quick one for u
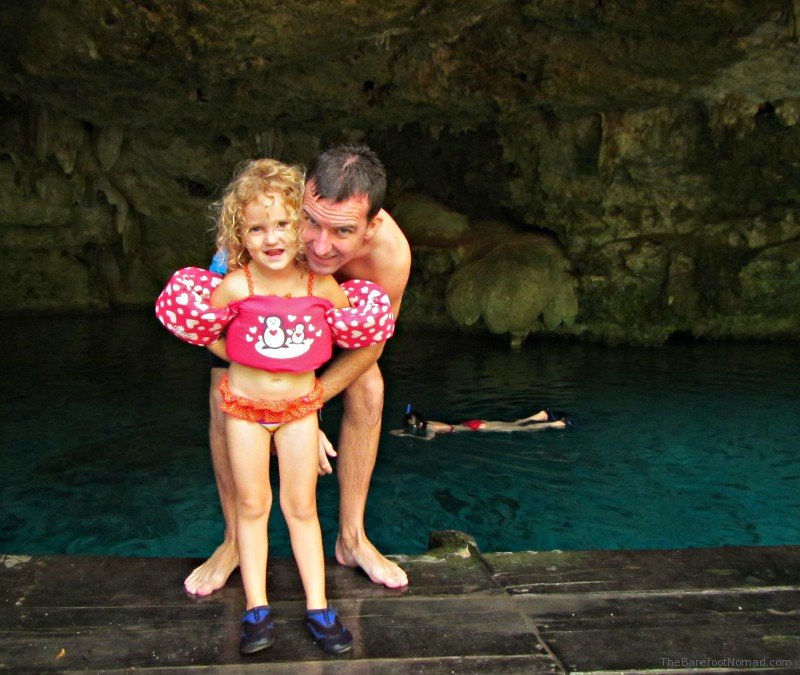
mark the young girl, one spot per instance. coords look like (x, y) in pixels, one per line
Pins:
(281, 320)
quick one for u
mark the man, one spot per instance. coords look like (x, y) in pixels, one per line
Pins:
(346, 233)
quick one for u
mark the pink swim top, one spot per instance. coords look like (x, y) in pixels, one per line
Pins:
(273, 333)
(286, 335)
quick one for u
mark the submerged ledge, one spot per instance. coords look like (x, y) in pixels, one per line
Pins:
(704, 610)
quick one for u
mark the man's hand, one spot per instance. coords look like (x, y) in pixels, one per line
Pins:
(325, 450)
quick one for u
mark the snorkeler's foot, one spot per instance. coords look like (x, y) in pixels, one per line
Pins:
(560, 424)
(541, 416)
(377, 567)
(214, 572)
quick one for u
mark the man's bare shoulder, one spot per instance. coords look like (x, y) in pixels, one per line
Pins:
(387, 259)
(392, 248)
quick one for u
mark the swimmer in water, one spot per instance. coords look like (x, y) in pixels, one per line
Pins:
(414, 424)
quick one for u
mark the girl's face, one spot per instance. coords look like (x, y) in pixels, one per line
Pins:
(267, 233)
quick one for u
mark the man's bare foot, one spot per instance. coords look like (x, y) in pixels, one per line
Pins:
(214, 572)
(378, 568)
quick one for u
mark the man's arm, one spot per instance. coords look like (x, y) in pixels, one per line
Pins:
(392, 274)
(388, 265)
(346, 369)
(340, 374)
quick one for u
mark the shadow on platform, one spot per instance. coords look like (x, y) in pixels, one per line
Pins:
(699, 610)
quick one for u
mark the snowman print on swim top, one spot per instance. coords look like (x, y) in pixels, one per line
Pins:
(273, 336)
(280, 334)
(280, 343)
(299, 334)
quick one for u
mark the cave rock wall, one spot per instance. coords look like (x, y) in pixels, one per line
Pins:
(613, 170)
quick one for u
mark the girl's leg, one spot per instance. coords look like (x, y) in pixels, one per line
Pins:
(248, 446)
(298, 460)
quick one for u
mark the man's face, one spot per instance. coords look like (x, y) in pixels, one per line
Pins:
(333, 233)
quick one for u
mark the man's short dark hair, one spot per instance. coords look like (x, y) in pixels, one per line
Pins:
(345, 171)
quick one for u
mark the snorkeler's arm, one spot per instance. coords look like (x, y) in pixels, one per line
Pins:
(429, 435)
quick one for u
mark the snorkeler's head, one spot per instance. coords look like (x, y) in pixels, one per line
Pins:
(414, 420)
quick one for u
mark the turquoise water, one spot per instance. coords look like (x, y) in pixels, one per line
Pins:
(104, 445)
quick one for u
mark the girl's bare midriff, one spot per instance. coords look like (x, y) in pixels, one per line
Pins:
(259, 384)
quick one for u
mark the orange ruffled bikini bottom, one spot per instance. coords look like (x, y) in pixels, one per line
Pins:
(270, 413)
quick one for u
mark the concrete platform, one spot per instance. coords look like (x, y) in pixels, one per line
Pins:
(698, 610)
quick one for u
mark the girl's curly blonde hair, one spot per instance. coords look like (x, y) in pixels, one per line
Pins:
(250, 179)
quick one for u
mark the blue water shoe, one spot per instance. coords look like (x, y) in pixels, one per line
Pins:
(328, 632)
(258, 630)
